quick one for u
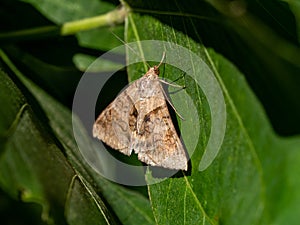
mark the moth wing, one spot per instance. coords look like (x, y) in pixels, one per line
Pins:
(112, 125)
(159, 144)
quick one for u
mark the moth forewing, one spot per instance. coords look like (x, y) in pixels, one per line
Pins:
(139, 119)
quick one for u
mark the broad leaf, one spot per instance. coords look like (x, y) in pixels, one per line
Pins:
(28, 152)
(247, 182)
(247, 47)
(42, 159)
(64, 11)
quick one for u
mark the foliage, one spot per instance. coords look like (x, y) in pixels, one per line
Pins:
(252, 49)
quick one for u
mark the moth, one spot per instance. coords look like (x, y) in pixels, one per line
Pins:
(139, 120)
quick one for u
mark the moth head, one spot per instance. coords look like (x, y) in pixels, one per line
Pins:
(153, 72)
(156, 69)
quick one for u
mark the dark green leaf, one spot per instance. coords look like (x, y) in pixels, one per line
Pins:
(41, 159)
(28, 153)
(65, 11)
(255, 177)
(247, 182)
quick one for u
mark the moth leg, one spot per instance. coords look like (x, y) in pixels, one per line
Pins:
(170, 103)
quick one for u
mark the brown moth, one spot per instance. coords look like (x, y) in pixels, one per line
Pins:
(139, 119)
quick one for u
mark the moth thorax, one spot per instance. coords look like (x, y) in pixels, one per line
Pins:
(156, 70)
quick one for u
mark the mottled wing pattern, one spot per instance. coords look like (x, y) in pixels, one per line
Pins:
(138, 119)
(159, 144)
(112, 125)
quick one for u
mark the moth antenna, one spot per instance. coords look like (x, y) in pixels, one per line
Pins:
(162, 59)
(133, 51)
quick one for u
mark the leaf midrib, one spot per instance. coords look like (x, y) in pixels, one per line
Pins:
(236, 114)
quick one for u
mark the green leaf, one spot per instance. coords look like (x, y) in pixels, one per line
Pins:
(295, 7)
(255, 177)
(64, 11)
(249, 48)
(79, 183)
(55, 67)
(29, 150)
(12, 211)
(84, 61)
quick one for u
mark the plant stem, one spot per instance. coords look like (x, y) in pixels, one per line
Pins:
(117, 16)
(29, 34)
